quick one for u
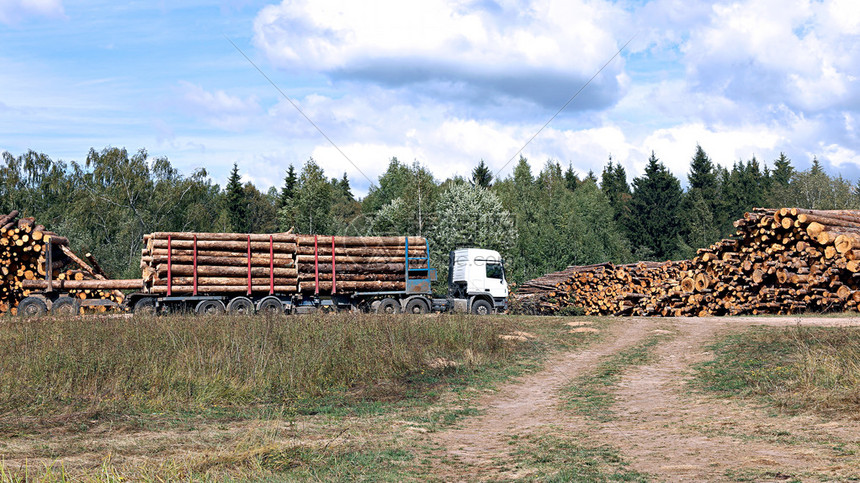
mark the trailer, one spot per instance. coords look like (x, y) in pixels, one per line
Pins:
(476, 279)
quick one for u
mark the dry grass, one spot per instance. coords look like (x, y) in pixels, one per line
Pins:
(341, 397)
(798, 368)
(54, 366)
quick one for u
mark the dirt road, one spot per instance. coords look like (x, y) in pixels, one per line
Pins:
(659, 427)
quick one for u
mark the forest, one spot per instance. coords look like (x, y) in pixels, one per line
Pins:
(540, 222)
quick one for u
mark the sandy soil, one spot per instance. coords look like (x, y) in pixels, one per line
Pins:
(660, 427)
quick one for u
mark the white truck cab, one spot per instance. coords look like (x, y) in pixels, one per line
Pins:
(476, 278)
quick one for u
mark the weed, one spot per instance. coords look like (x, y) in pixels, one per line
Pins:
(185, 363)
(565, 458)
(814, 369)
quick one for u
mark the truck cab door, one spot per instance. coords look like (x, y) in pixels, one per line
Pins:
(494, 281)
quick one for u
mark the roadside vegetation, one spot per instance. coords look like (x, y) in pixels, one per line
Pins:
(330, 396)
(809, 369)
(187, 363)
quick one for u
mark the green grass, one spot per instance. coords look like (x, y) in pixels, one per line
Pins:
(555, 458)
(195, 364)
(811, 369)
(591, 395)
(182, 373)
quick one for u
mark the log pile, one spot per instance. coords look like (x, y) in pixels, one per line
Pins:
(217, 263)
(780, 261)
(278, 263)
(24, 246)
(328, 264)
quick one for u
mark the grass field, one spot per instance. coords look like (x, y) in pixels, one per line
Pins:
(350, 397)
(813, 369)
(256, 380)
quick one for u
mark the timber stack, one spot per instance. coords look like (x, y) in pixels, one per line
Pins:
(780, 261)
(24, 248)
(185, 263)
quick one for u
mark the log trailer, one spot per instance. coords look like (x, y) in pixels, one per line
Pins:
(286, 273)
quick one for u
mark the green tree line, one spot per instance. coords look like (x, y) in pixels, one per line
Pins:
(540, 222)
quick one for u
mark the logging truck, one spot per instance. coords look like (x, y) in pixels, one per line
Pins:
(284, 273)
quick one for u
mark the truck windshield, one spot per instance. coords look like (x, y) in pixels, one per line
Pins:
(494, 270)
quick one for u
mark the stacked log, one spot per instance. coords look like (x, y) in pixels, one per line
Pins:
(329, 264)
(604, 288)
(24, 246)
(780, 261)
(218, 263)
(282, 263)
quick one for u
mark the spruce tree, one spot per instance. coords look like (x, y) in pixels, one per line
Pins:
(654, 223)
(344, 187)
(482, 176)
(289, 188)
(782, 171)
(571, 181)
(237, 205)
(701, 202)
(702, 175)
(613, 184)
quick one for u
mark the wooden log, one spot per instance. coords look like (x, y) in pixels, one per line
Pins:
(303, 259)
(224, 271)
(256, 247)
(361, 267)
(222, 289)
(218, 281)
(362, 241)
(135, 284)
(354, 286)
(256, 261)
(213, 253)
(361, 251)
(306, 277)
(287, 237)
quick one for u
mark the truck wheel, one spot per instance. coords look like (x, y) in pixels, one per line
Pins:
(270, 306)
(416, 306)
(241, 306)
(144, 306)
(66, 306)
(388, 306)
(481, 307)
(32, 307)
(210, 307)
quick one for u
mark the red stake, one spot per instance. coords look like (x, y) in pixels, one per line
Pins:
(333, 287)
(195, 264)
(169, 266)
(271, 266)
(316, 267)
(249, 265)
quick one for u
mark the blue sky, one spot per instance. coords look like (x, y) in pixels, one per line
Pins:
(443, 82)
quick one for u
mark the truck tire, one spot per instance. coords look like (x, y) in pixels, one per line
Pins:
(210, 307)
(388, 306)
(240, 306)
(32, 307)
(144, 306)
(481, 307)
(416, 306)
(270, 306)
(66, 306)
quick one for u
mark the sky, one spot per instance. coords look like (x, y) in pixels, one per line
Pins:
(446, 83)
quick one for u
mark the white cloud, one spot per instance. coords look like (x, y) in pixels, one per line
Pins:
(840, 156)
(219, 108)
(476, 49)
(800, 53)
(14, 11)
